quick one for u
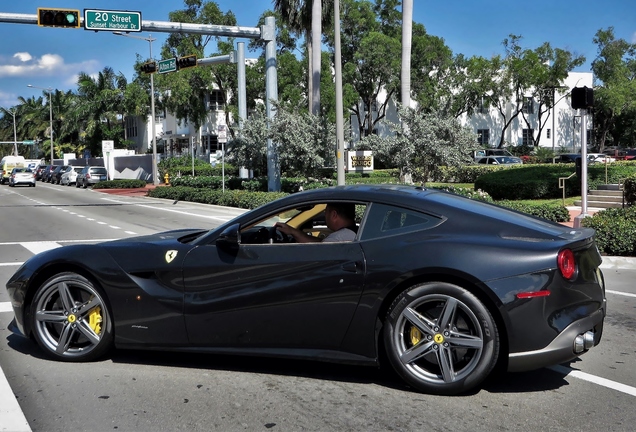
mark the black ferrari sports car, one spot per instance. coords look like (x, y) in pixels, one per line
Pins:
(442, 286)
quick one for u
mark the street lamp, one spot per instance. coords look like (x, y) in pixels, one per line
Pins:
(49, 90)
(150, 40)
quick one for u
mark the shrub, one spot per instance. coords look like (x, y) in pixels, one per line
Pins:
(542, 181)
(120, 184)
(630, 190)
(467, 192)
(615, 231)
(552, 212)
(229, 198)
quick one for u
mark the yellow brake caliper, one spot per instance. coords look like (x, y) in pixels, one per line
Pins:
(95, 319)
(416, 335)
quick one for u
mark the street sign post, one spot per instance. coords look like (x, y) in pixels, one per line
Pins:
(169, 65)
(108, 20)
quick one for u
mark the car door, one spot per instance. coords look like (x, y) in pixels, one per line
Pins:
(272, 295)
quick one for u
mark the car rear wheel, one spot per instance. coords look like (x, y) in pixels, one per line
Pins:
(440, 338)
(70, 319)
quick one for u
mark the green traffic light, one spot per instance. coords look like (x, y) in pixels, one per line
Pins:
(70, 18)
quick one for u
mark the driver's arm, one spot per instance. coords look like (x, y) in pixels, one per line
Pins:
(298, 235)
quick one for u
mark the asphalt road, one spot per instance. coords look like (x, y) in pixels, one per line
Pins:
(150, 391)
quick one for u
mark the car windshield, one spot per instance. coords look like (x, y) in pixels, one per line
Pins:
(98, 170)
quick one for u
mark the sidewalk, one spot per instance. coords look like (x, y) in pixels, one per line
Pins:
(130, 191)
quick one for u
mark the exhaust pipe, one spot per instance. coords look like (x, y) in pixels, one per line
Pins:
(583, 342)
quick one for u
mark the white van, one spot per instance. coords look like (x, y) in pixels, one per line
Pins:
(7, 164)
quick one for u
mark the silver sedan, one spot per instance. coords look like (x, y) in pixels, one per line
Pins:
(22, 176)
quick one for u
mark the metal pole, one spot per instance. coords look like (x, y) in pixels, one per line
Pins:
(580, 217)
(271, 93)
(339, 103)
(51, 122)
(153, 131)
(15, 135)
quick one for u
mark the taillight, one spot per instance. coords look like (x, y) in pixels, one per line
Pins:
(566, 263)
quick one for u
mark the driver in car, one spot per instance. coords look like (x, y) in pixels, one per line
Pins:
(340, 219)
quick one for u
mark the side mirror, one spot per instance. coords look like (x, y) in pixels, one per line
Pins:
(230, 238)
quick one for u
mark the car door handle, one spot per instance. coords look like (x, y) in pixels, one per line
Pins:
(351, 266)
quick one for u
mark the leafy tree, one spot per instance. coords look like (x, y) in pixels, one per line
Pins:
(615, 88)
(249, 150)
(428, 141)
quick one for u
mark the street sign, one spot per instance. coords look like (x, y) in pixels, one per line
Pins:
(221, 133)
(169, 65)
(109, 20)
(28, 142)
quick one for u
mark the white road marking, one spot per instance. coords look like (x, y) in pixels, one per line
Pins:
(11, 264)
(37, 247)
(6, 307)
(11, 416)
(594, 379)
(621, 293)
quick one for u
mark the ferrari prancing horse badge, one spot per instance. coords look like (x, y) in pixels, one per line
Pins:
(170, 255)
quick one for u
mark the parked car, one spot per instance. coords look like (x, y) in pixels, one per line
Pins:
(91, 175)
(500, 160)
(482, 153)
(46, 175)
(567, 158)
(22, 176)
(69, 176)
(599, 158)
(40, 171)
(416, 284)
(56, 175)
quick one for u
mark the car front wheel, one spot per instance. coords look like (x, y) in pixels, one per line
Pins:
(440, 338)
(70, 319)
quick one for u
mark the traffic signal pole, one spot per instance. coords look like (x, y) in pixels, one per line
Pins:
(266, 33)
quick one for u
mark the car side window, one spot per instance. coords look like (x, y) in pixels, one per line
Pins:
(384, 220)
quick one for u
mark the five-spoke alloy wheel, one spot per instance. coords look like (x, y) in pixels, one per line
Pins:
(440, 338)
(70, 318)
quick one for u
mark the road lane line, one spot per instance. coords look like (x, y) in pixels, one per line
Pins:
(37, 247)
(6, 307)
(11, 416)
(17, 264)
(623, 388)
(621, 293)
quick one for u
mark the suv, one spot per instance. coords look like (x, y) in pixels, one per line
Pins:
(91, 175)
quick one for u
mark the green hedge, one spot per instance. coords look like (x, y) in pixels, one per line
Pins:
(615, 231)
(229, 198)
(553, 212)
(630, 190)
(120, 184)
(542, 181)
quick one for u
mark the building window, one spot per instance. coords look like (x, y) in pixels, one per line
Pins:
(374, 106)
(528, 135)
(217, 101)
(131, 127)
(548, 133)
(483, 136)
(482, 108)
(528, 105)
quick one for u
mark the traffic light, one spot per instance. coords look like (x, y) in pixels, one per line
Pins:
(68, 18)
(186, 62)
(150, 67)
(582, 98)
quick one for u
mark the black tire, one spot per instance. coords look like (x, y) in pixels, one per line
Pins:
(70, 318)
(440, 338)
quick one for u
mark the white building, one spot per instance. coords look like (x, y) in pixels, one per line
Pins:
(488, 124)
(561, 129)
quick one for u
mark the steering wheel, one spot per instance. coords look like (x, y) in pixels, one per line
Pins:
(278, 236)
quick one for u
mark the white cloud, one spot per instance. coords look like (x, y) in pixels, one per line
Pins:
(23, 56)
(22, 64)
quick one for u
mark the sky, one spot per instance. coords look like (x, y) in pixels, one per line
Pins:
(53, 57)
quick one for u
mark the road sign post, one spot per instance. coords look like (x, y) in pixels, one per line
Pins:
(108, 20)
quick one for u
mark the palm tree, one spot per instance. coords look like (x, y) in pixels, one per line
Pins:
(101, 105)
(307, 17)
